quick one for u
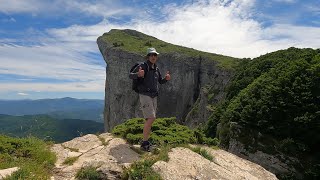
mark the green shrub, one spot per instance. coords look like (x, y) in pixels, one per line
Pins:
(88, 173)
(164, 130)
(31, 155)
(141, 170)
(272, 105)
(70, 160)
(148, 43)
(202, 152)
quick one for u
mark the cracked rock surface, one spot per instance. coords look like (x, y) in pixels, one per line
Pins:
(7, 172)
(106, 153)
(185, 164)
(111, 155)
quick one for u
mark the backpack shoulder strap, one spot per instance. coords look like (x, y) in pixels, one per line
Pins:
(133, 69)
(146, 66)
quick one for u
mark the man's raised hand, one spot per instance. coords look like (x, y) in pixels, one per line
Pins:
(141, 72)
(168, 77)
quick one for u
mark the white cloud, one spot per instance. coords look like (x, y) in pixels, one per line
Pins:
(224, 27)
(103, 8)
(23, 94)
(8, 20)
(313, 8)
(57, 56)
(16, 6)
(92, 86)
(56, 61)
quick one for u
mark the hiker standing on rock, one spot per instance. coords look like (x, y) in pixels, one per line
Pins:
(146, 77)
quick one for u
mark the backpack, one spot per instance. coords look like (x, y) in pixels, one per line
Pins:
(137, 82)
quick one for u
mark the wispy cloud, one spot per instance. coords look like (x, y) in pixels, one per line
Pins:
(53, 58)
(103, 8)
(313, 8)
(224, 27)
(49, 61)
(285, 1)
(92, 86)
(23, 94)
(6, 20)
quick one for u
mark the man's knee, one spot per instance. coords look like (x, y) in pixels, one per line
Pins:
(150, 120)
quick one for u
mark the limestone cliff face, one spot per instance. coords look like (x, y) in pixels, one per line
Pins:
(185, 96)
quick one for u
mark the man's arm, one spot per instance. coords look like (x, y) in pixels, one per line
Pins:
(137, 73)
(134, 74)
(161, 80)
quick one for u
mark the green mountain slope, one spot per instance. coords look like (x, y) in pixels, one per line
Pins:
(273, 105)
(136, 42)
(46, 127)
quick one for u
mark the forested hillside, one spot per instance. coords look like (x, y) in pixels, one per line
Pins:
(273, 105)
(46, 127)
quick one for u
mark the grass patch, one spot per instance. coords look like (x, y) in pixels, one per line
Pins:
(166, 134)
(88, 173)
(143, 169)
(71, 149)
(70, 160)
(204, 153)
(30, 154)
(103, 141)
(138, 43)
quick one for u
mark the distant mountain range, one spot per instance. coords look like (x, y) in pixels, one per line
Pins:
(46, 127)
(63, 108)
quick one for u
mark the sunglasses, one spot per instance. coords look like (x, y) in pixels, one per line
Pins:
(153, 54)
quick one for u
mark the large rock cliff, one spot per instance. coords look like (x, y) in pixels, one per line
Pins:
(197, 78)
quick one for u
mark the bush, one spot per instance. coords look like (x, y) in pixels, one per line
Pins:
(31, 155)
(273, 106)
(70, 160)
(164, 130)
(141, 170)
(88, 173)
(202, 152)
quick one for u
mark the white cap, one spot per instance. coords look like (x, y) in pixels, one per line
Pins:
(152, 50)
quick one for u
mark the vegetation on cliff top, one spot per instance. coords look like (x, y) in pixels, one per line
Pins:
(167, 134)
(31, 155)
(137, 42)
(273, 105)
(164, 131)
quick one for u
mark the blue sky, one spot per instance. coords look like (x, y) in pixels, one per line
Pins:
(48, 49)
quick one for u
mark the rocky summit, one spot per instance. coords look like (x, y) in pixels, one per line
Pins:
(111, 156)
(195, 76)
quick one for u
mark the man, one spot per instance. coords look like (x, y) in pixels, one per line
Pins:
(148, 90)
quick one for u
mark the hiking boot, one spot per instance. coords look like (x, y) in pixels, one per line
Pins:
(145, 146)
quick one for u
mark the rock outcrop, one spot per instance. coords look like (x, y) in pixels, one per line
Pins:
(186, 164)
(185, 96)
(7, 172)
(110, 156)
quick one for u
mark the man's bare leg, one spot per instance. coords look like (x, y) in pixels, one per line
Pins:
(147, 128)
